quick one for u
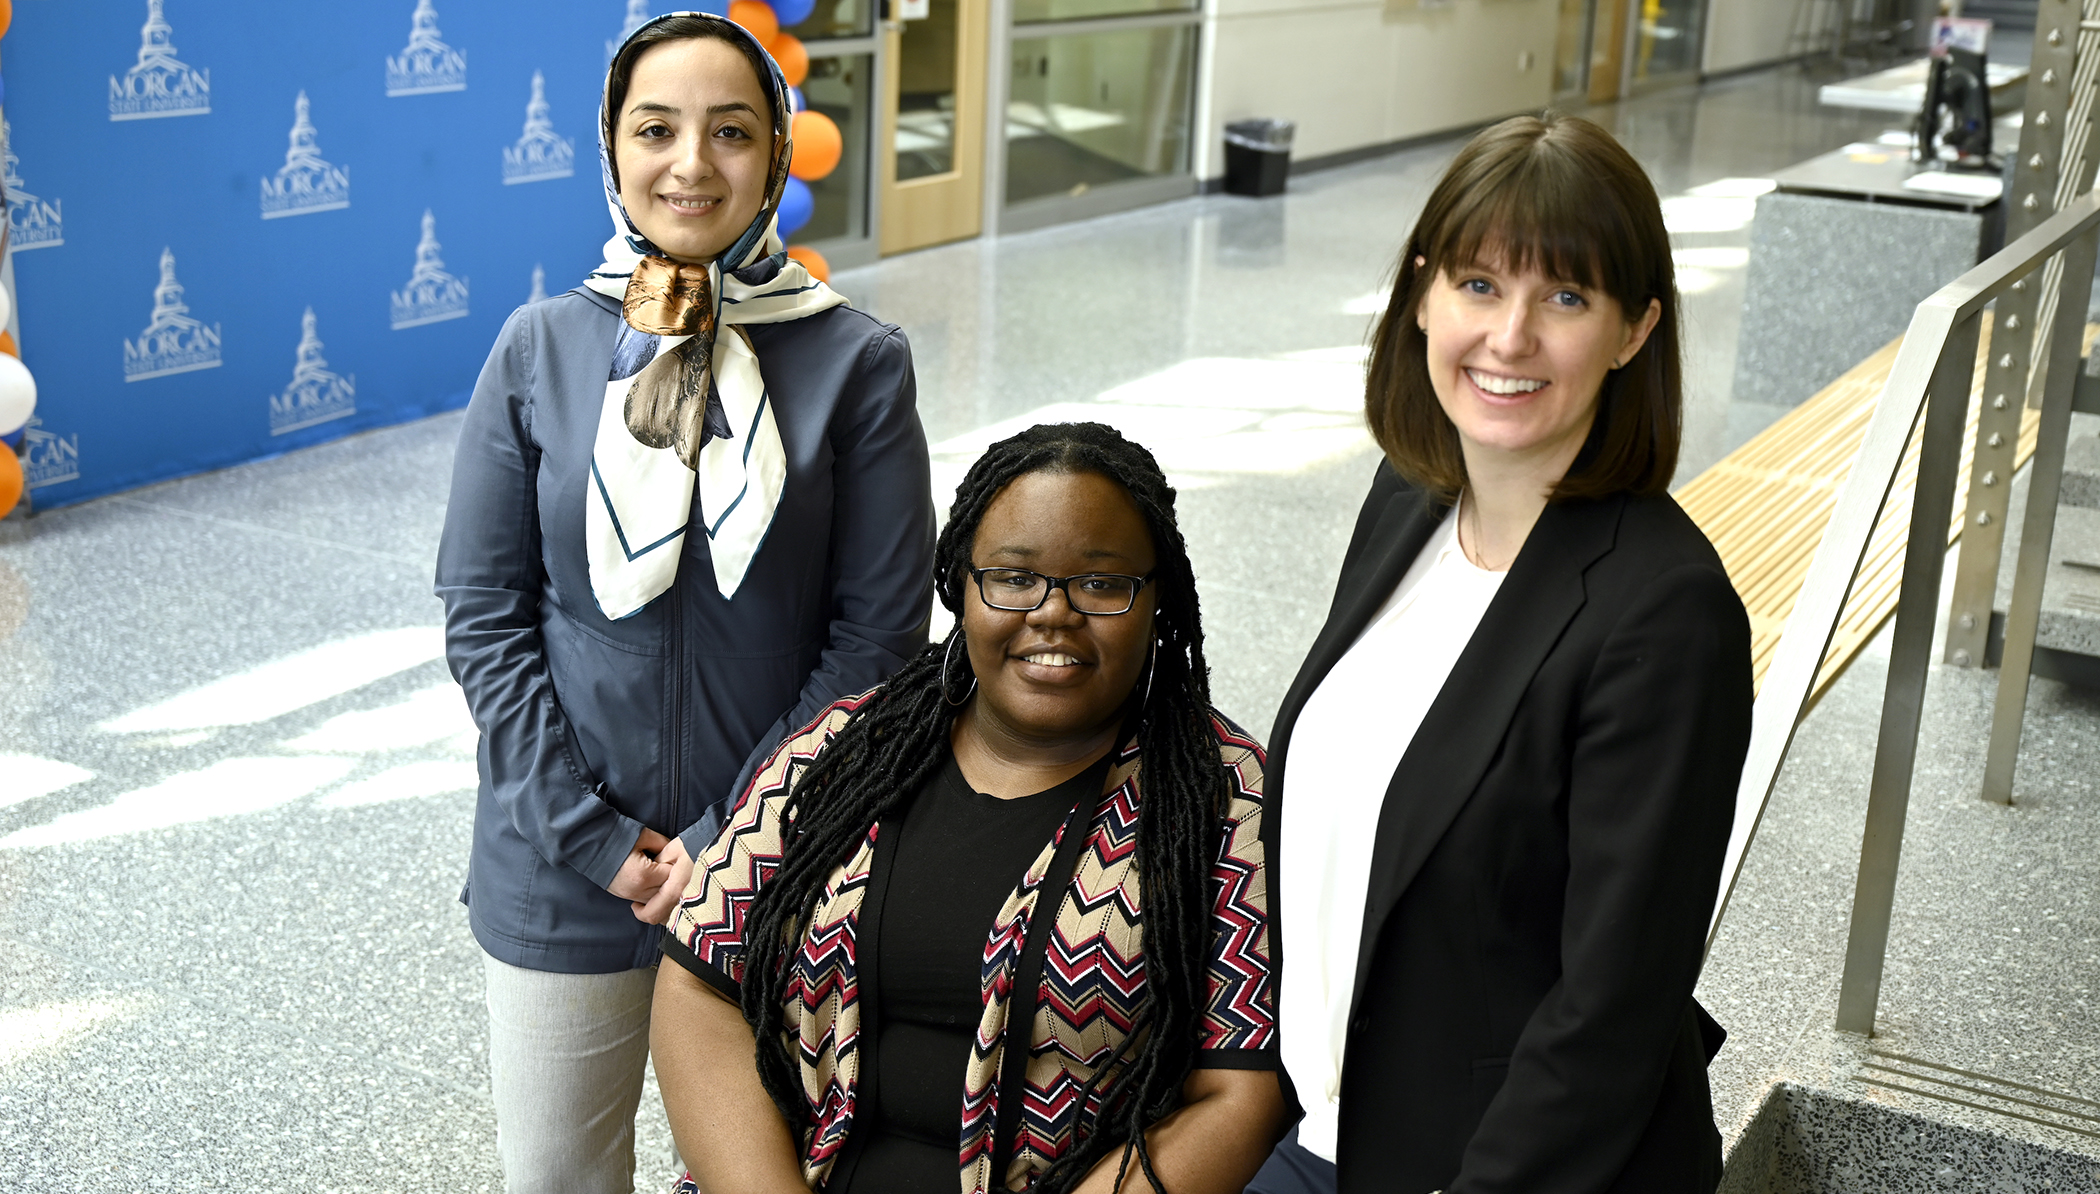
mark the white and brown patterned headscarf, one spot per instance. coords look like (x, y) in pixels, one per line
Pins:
(683, 403)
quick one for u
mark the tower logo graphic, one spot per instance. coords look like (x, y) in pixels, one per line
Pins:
(539, 284)
(159, 85)
(637, 16)
(427, 64)
(51, 458)
(173, 342)
(315, 395)
(31, 222)
(539, 154)
(431, 294)
(306, 184)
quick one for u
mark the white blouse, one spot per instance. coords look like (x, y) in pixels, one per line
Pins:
(1347, 743)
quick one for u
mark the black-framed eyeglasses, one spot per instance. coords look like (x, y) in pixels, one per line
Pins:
(1098, 593)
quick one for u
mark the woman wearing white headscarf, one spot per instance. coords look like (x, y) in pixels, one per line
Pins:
(690, 510)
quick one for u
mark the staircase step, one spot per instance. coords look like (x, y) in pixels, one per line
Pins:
(2071, 597)
(2081, 485)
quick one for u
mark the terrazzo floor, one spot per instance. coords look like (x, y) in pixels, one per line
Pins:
(231, 956)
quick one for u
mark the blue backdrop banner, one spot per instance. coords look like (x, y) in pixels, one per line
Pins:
(244, 226)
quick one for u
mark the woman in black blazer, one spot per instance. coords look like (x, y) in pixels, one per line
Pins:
(1506, 771)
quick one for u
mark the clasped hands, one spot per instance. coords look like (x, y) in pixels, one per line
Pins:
(654, 876)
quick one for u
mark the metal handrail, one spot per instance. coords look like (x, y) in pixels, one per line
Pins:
(1931, 379)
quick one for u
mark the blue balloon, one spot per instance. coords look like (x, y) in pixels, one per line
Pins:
(797, 205)
(795, 101)
(792, 12)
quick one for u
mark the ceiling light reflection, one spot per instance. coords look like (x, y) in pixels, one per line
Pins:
(1205, 420)
(1697, 281)
(1712, 257)
(1214, 383)
(1734, 188)
(1693, 213)
(1373, 303)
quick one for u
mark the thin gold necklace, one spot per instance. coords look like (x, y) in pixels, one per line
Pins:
(1472, 554)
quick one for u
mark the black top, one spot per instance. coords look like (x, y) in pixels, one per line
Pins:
(1544, 863)
(960, 854)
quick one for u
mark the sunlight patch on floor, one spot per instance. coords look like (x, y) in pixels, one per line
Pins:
(287, 685)
(225, 788)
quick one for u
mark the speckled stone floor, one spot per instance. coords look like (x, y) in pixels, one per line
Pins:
(237, 806)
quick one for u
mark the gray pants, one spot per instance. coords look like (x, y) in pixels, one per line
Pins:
(566, 1055)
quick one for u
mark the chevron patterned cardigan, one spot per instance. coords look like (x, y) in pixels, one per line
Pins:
(1093, 974)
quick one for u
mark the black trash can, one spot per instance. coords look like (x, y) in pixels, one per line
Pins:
(1257, 156)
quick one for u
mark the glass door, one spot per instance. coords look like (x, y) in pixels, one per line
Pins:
(932, 157)
(1571, 54)
(1668, 37)
(842, 42)
(1100, 107)
(1607, 69)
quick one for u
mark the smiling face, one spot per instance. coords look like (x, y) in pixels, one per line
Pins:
(1517, 360)
(693, 145)
(1055, 676)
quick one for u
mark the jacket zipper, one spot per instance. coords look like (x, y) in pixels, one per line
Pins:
(675, 765)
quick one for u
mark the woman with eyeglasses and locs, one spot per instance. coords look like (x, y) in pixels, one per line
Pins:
(1505, 775)
(1001, 923)
(690, 510)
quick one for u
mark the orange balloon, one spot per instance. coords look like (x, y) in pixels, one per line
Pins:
(817, 146)
(7, 16)
(755, 15)
(7, 342)
(788, 51)
(10, 479)
(812, 261)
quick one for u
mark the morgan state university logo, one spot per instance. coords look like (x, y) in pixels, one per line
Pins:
(637, 16)
(539, 154)
(50, 458)
(159, 85)
(315, 395)
(431, 294)
(172, 342)
(31, 222)
(427, 64)
(306, 183)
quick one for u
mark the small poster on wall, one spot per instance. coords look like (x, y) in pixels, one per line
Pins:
(1960, 33)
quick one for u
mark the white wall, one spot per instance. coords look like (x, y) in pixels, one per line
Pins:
(1358, 73)
(1746, 32)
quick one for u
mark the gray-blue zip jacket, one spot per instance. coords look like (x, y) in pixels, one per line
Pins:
(591, 728)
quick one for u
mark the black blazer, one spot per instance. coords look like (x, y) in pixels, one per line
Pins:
(1546, 859)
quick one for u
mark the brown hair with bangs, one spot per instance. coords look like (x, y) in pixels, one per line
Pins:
(1556, 194)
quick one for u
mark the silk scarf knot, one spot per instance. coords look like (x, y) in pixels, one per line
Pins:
(672, 401)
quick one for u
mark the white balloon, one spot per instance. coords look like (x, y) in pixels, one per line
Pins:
(17, 394)
(7, 307)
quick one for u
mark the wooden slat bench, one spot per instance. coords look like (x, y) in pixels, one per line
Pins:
(1766, 504)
